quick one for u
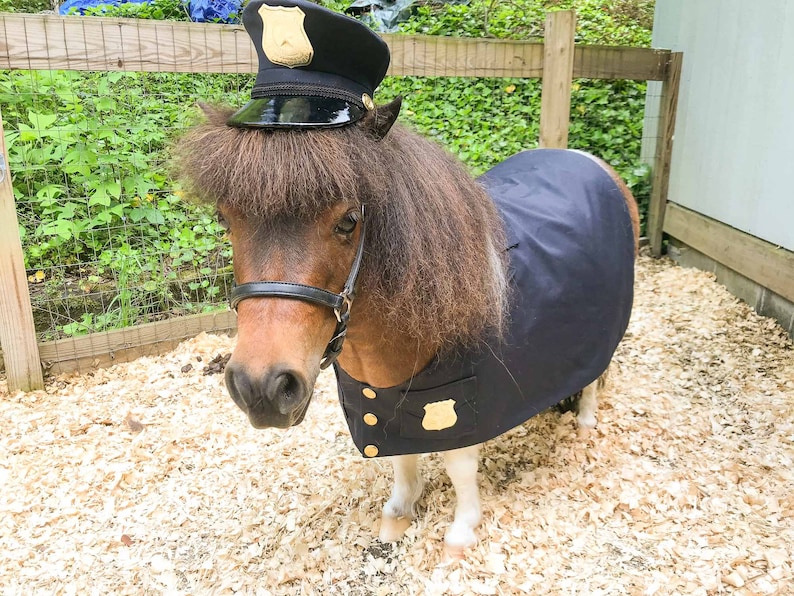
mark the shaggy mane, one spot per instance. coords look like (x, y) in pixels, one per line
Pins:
(434, 266)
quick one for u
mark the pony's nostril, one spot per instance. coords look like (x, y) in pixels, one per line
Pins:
(285, 391)
(286, 384)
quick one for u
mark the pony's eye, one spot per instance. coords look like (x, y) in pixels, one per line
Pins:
(347, 224)
(222, 222)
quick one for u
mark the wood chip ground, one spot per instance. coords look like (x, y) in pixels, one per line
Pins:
(144, 478)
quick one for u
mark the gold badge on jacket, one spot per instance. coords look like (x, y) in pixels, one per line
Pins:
(440, 415)
(284, 39)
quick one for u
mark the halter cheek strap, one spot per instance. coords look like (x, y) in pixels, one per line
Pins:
(339, 303)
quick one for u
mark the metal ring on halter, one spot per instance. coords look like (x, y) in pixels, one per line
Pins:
(340, 303)
(340, 312)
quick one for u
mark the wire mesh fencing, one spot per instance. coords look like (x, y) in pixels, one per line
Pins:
(109, 240)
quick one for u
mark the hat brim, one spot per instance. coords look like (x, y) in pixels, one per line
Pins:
(296, 112)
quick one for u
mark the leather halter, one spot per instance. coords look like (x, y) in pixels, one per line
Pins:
(339, 303)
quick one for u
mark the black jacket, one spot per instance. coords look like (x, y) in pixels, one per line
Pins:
(571, 249)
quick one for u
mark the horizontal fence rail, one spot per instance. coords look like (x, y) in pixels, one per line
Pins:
(756, 259)
(49, 42)
(121, 345)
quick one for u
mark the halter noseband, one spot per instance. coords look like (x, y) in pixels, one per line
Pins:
(339, 303)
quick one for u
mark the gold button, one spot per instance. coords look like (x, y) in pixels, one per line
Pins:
(367, 101)
(370, 419)
(369, 393)
(370, 451)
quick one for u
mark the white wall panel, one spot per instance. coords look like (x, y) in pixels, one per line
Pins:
(733, 154)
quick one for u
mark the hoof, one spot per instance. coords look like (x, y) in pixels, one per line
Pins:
(393, 528)
(452, 554)
(459, 537)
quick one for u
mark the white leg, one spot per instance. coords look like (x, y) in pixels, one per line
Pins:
(399, 509)
(588, 404)
(462, 466)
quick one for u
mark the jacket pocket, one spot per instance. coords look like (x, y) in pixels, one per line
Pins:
(445, 412)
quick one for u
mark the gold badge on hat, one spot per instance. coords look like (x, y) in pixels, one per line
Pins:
(440, 415)
(284, 39)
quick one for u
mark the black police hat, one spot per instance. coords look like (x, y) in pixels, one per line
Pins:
(317, 68)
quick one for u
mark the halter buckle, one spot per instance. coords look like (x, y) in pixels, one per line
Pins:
(343, 312)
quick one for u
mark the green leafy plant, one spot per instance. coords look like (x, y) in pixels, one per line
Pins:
(624, 22)
(95, 200)
(172, 10)
(25, 5)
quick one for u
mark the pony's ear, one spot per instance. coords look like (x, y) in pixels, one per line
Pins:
(379, 121)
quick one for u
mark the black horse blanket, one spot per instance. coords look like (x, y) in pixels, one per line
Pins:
(571, 267)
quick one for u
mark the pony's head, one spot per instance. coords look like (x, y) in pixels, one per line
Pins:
(431, 275)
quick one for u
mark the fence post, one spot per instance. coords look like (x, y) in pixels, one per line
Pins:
(17, 332)
(664, 153)
(555, 99)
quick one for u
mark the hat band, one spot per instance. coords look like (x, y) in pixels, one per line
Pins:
(305, 89)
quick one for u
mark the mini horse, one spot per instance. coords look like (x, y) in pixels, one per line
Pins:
(464, 307)
(434, 281)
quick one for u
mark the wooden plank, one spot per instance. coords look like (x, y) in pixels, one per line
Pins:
(420, 55)
(17, 331)
(122, 345)
(50, 42)
(610, 62)
(660, 183)
(86, 363)
(766, 264)
(555, 100)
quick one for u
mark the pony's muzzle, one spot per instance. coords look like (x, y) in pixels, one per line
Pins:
(277, 398)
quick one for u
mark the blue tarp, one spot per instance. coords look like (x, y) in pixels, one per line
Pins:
(200, 11)
(203, 11)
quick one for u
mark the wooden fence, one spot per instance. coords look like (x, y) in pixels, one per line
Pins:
(48, 42)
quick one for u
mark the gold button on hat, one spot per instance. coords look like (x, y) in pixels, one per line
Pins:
(370, 451)
(370, 419)
(369, 393)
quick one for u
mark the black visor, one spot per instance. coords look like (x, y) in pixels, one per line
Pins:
(291, 111)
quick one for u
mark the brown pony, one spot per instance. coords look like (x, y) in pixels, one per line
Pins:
(432, 280)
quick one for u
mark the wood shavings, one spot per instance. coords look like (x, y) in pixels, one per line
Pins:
(146, 478)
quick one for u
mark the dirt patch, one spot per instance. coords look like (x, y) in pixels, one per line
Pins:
(145, 478)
